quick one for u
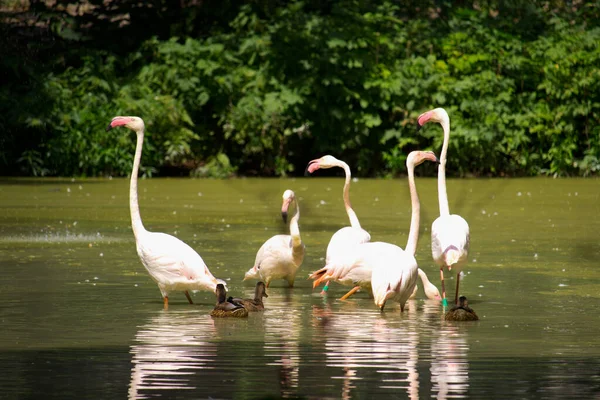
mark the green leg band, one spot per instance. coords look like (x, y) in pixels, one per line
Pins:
(325, 288)
(445, 303)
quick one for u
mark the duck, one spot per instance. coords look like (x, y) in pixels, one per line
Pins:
(462, 311)
(226, 309)
(255, 304)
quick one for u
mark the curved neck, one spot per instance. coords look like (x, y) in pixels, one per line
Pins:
(413, 234)
(294, 228)
(351, 214)
(423, 277)
(134, 208)
(297, 246)
(442, 195)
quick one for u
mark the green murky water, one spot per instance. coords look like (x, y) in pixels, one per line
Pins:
(82, 319)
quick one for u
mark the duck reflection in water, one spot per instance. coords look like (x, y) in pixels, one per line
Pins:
(462, 312)
(227, 309)
(255, 304)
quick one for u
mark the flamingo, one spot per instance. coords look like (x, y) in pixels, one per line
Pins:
(172, 264)
(449, 232)
(431, 291)
(281, 255)
(395, 270)
(344, 239)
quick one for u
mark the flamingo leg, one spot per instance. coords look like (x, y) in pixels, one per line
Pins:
(187, 294)
(457, 283)
(443, 285)
(444, 301)
(350, 293)
(325, 289)
(165, 303)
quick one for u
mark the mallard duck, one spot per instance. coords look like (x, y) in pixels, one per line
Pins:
(255, 304)
(462, 311)
(225, 309)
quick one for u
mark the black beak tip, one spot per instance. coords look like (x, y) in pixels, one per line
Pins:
(284, 217)
(109, 127)
(418, 127)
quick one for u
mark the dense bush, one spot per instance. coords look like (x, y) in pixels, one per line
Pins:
(284, 82)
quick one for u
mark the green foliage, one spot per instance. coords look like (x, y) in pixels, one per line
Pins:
(272, 84)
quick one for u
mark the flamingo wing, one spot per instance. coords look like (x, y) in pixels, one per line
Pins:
(170, 260)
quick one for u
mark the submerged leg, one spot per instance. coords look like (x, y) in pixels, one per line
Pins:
(444, 301)
(457, 283)
(325, 289)
(187, 294)
(166, 303)
(350, 293)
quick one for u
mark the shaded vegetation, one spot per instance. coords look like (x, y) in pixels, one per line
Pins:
(261, 87)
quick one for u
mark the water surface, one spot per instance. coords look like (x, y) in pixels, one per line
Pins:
(82, 319)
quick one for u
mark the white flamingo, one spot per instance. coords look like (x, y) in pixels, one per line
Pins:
(172, 264)
(395, 270)
(346, 238)
(431, 291)
(449, 232)
(281, 255)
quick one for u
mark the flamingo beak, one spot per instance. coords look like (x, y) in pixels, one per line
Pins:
(284, 209)
(109, 127)
(423, 119)
(312, 166)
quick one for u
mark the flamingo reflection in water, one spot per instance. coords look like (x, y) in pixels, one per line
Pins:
(167, 350)
(450, 362)
(282, 327)
(388, 346)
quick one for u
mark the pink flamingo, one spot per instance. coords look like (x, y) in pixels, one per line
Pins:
(449, 232)
(172, 264)
(344, 239)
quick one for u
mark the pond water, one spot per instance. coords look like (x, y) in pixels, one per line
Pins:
(81, 318)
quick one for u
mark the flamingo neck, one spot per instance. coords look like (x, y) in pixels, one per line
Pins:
(423, 277)
(351, 214)
(134, 208)
(297, 245)
(413, 235)
(442, 194)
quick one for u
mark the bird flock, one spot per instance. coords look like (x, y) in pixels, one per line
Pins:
(385, 270)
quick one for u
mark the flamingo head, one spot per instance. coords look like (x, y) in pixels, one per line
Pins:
(436, 115)
(451, 257)
(381, 294)
(432, 292)
(288, 196)
(417, 157)
(134, 123)
(252, 273)
(323, 162)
